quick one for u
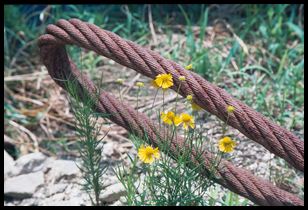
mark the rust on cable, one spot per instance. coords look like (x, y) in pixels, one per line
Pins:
(252, 124)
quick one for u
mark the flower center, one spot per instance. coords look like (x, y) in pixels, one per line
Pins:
(165, 78)
(149, 154)
(227, 144)
(186, 119)
(170, 116)
(165, 81)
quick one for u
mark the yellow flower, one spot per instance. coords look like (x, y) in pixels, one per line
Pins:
(170, 118)
(148, 154)
(189, 67)
(182, 78)
(187, 120)
(226, 144)
(195, 107)
(189, 97)
(230, 109)
(153, 83)
(120, 81)
(139, 84)
(164, 80)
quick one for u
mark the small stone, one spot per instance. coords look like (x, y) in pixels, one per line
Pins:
(123, 200)
(29, 163)
(111, 62)
(117, 203)
(28, 202)
(56, 188)
(107, 181)
(127, 145)
(71, 202)
(113, 193)
(62, 169)
(267, 157)
(9, 204)
(74, 190)
(139, 184)
(52, 200)
(23, 186)
(65, 199)
(108, 149)
(8, 165)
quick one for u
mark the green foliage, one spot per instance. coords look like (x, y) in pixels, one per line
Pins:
(167, 182)
(90, 145)
(175, 179)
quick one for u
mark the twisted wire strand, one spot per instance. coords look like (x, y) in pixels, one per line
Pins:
(61, 69)
(252, 124)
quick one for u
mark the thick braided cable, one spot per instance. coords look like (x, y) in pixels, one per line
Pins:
(252, 124)
(240, 181)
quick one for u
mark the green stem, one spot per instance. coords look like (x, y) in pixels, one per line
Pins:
(154, 101)
(138, 96)
(120, 95)
(164, 105)
(224, 127)
(163, 100)
(177, 94)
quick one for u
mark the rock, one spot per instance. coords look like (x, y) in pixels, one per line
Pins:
(56, 188)
(69, 194)
(113, 193)
(8, 165)
(62, 169)
(123, 200)
(58, 200)
(52, 200)
(8, 204)
(28, 202)
(29, 163)
(108, 149)
(71, 202)
(107, 181)
(117, 203)
(139, 184)
(23, 186)
(75, 190)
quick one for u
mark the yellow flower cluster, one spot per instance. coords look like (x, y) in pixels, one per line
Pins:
(148, 154)
(171, 118)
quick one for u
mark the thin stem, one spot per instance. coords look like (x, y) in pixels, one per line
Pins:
(224, 127)
(164, 105)
(120, 95)
(138, 96)
(163, 100)
(154, 101)
(177, 94)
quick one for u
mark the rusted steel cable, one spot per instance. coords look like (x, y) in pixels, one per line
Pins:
(54, 56)
(252, 124)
